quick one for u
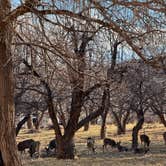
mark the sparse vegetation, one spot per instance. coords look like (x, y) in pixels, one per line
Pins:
(155, 157)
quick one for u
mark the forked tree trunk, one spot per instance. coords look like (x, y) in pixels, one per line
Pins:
(118, 121)
(121, 122)
(121, 129)
(137, 127)
(8, 147)
(66, 148)
(65, 142)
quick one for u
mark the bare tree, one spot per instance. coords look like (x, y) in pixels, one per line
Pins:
(120, 107)
(139, 93)
(8, 148)
(136, 31)
(157, 98)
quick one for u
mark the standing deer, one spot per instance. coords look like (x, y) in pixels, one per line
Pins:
(91, 144)
(26, 144)
(144, 138)
(52, 145)
(110, 142)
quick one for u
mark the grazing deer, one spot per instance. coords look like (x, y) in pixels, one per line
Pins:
(164, 137)
(110, 142)
(52, 145)
(34, 148)
(121, 148)
(144, 138)
(91, 144)
(26, 144)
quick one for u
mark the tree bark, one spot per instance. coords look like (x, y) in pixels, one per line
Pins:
(29, 123)
(21, 123)
(86, 126)
(121, 122)
(162, 119)
(125, 121)
(137, 127)
(110, 73)
(8, 147)
(121, 129)
(103, 125)
(65, 148)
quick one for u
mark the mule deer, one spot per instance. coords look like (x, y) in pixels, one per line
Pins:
(26, 144)
(52, 145)
(144, 138)
(110, 142)
(34, 148)
(91, 144)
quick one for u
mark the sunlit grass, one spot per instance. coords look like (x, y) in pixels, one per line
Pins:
(156, 156)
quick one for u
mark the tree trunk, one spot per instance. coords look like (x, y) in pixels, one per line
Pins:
(40, 119)
(121, 129)
(103, 126)
(110, 73)
(137, 127)
(8, 148)
(162, 119)
(125, 121)
(86, 127)
(36, 123)
(121, 123)
(65, 148)
(121, 126)
(29, 123)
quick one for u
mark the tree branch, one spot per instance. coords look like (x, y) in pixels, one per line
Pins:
(95, 114)
(21, 123)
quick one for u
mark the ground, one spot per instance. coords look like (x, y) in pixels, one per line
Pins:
(156, 156)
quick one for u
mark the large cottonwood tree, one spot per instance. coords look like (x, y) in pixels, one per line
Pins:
(7, 127)
(8, 148)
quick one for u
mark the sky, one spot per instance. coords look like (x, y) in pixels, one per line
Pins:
(15, 3)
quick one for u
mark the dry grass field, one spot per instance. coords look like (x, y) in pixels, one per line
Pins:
(156, 156)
